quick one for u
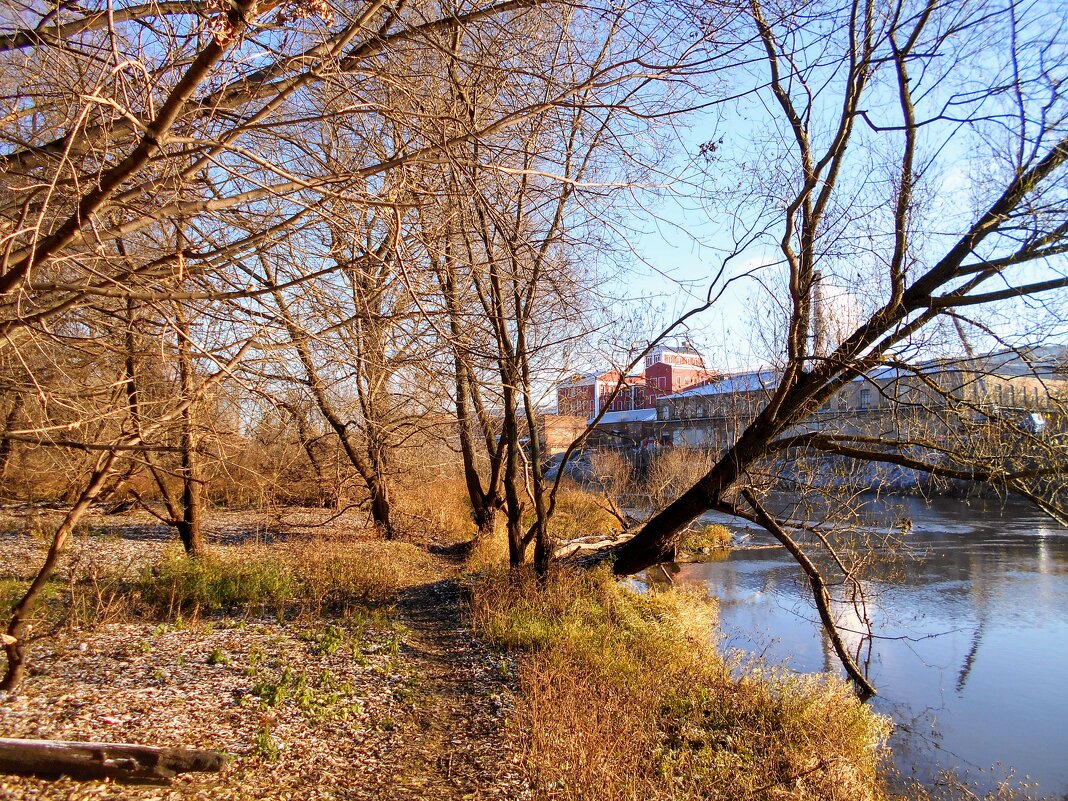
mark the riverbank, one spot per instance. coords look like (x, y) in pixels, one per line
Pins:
(336, 665)
(622, 695)
(971, 619)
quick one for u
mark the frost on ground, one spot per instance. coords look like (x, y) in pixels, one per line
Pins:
(361, 706)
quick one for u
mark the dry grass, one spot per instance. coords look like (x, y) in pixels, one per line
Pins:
(109, 579)
(711, 537)
(488, 552)
(623, 696)
(314, 576)
(580, 513)
(439, 508)
(952, 786)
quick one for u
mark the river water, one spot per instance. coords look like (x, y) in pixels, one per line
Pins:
(972, 636)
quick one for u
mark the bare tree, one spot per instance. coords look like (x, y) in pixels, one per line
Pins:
(865, 136)
(515, 214)
(125, 119)
(356, 336)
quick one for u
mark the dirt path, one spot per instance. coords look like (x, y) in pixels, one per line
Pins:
(455, 744)
(308, 709)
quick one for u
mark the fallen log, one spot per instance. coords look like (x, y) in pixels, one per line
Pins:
(580, 546)
(50, 759)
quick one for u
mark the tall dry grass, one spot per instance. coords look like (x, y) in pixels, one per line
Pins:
(581, 513)
(438, 507)
(578, 513)
(673, 471)
(623, 697)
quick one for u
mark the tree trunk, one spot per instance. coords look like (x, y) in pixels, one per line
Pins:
(485, 516)
(18, 628)
(380, 508)
(657, 539)
(517, 551)
(7, 445)
(485, 503)
(189, 524)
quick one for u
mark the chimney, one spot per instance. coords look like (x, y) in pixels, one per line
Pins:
(818, 316)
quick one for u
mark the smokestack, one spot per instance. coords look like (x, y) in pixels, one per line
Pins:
(818, 316)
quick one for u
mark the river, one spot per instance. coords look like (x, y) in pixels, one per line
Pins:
(972, 636)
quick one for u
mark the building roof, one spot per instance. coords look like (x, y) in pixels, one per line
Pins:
(588, 379)
(1040, 361)
(684, 348)
(673, 366)
(753, 381)
(632, 416)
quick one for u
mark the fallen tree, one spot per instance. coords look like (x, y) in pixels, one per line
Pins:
(51, 759)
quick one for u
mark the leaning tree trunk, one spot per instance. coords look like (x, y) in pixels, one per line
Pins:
(656, 541)
(18, 628)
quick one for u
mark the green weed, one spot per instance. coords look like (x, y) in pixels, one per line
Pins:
(327, 641)
(321, 698)
(264, 746)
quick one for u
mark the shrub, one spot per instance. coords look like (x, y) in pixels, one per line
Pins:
(672, 472)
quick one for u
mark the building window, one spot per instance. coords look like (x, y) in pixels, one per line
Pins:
(700, 410)
(864, 400)
(665, 413)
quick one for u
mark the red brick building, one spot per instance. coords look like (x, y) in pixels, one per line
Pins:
(668, 369)
(673, 369)
(585, 395)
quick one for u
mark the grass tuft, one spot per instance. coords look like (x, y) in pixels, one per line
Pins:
(215, 583)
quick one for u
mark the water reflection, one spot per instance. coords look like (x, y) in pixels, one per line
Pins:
(972, 633)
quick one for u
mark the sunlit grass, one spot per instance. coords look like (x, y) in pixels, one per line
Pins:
(624, 696)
